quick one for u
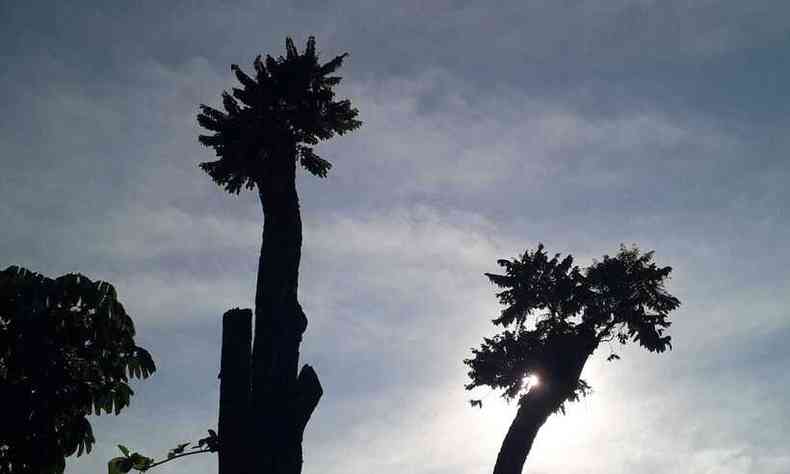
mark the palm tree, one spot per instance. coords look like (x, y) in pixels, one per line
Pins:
(560, 315)
(271, 123)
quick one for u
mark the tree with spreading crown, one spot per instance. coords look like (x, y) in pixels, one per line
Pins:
(558, 317)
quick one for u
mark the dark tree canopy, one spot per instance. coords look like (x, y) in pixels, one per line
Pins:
(555, 310)
(556, 316)
(280, 113)
(66, 350)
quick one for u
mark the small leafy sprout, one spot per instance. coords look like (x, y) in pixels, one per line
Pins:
(129, 461)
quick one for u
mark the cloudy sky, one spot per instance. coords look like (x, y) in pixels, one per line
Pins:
(489, 127)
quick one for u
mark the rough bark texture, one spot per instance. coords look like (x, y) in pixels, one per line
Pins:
(278, 392)
(234, 391)
(539, 403)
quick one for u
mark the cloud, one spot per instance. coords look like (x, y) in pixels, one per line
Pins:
(581, 125)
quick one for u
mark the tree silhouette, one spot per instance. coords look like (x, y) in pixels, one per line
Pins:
(559, 315)
(66, 350)
(269, 124)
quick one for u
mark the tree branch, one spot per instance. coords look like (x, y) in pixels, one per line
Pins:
(159, 463)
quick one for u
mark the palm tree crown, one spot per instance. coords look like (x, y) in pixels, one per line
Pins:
(280, 114)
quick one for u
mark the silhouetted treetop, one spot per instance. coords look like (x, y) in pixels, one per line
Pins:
(279, 113)
(557, 312)
(66, 350)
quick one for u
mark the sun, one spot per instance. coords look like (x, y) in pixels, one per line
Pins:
(531, 381)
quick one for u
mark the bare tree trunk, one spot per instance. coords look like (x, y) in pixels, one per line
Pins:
(234, 392)
(532, 414)
(541, 401)
(282, 400)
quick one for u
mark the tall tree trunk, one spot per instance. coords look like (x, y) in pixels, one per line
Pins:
(533, 411)
(541, 401)
(282, 402)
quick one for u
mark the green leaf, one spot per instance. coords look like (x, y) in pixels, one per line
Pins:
(140, 462)
(119, 466)
(124, 450)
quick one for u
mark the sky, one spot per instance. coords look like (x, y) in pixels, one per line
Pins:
(488, 127)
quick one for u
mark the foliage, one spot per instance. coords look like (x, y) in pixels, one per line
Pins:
(66, 350)
(128, 461)
(557, 315)
(136, 461)
(287, 106)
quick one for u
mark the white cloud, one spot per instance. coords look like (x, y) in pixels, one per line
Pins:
(444, 178)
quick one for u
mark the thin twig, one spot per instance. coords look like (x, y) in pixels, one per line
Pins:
(207, 450)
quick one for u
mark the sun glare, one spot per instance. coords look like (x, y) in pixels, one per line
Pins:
(530, 381)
